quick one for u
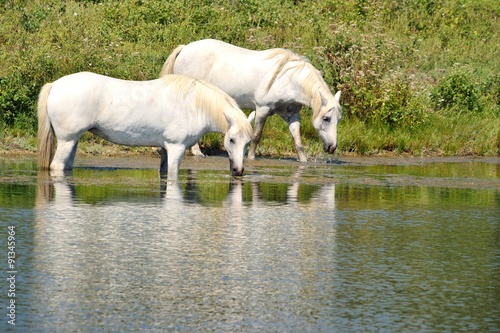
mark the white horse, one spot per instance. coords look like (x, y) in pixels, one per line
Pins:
(274, 81)
(172, 112)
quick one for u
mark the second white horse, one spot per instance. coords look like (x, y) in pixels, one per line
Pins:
(274, 81)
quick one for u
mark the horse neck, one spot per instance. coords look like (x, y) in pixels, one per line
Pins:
(205, 123)
(217, 127)
(306, 86)
(213, 122)
(211, 105)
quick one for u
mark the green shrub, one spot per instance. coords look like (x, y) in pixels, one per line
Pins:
(16, 98)
(491, 91)
(457, 91)
(400, 107)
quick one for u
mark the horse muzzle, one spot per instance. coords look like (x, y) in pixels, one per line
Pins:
(329, 148)
(237, 171)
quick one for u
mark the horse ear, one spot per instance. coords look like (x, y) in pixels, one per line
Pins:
(337, 96)
(230, 119)
(324, 101)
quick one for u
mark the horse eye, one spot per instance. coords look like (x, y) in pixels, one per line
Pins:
(231, 140)
(327, 119)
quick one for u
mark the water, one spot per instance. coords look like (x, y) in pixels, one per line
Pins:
(339, 247)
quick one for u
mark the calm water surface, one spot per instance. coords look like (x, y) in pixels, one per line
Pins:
(339, 247)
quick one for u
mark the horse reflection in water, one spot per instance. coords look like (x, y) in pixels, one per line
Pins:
(56, 188)
(167, 249)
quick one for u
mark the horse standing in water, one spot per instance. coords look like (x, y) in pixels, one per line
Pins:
(172, 112)
(274, 81)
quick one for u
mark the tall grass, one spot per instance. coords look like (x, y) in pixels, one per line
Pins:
(417, 76)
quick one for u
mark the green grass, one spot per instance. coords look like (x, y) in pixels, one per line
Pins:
(442, 135)
(417, 77)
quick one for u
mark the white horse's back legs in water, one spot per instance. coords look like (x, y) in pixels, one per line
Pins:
(274, 81)
(172, 112)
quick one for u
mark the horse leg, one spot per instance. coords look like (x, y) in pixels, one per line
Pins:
(261, 115)
(65, 154)
(293, 121)
(196, 151)
(175, 153)
(163, 161)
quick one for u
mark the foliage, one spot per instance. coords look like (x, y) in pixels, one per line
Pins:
(400, 65)
(457, 90)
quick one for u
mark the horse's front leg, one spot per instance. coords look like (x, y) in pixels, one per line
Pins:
(261, 115)
(293, 120)
(175, 153)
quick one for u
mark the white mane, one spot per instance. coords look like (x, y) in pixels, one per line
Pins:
(210, 100)
(313, 82)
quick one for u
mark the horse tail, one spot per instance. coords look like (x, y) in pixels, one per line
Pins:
(45, 130)
(168, 66)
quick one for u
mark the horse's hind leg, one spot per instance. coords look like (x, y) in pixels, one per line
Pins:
(261, 115)
(65, 155)
(196, 151)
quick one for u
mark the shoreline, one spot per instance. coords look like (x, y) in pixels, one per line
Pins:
(148, 157)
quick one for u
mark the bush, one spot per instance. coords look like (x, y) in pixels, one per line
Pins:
(16, 98)
(490, 89)
(375, 87)
(400, 107)
(457, 91)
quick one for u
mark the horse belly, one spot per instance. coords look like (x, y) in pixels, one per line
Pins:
(131, 114)
(129, 136)
(136, 126)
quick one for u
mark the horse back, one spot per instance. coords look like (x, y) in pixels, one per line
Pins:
(94, 93)
(88, 101)
(240, 72)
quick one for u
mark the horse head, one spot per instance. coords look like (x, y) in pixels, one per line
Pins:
(326, 121)
(236, 140)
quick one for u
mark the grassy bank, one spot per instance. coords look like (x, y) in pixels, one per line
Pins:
(417, 77)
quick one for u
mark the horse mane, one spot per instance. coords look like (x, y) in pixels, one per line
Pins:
(210, 101)
(311, 84)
